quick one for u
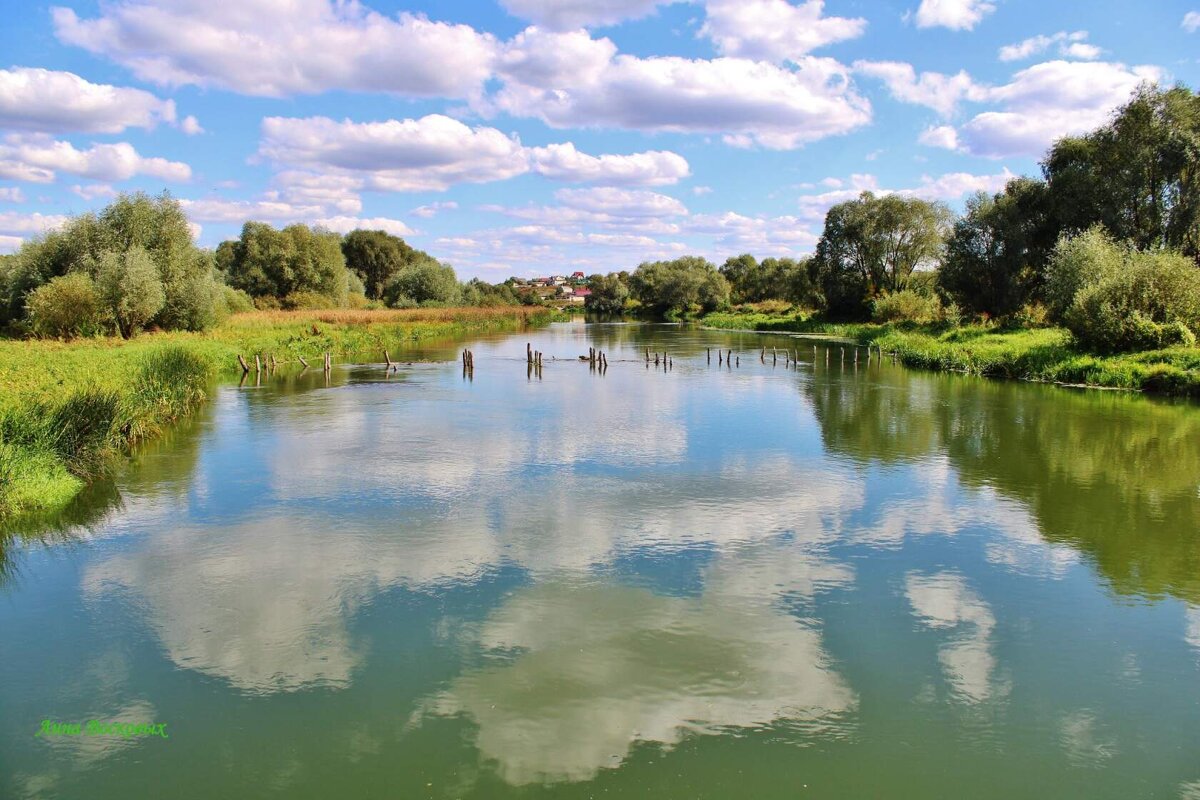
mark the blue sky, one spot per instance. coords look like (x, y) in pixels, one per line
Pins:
(524, 137)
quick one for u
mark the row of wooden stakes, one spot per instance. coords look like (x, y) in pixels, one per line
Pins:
(271, 364)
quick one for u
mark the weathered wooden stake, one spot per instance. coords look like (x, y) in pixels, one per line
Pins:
(257, 363)
(528, 353)
(720, 358)
(739, 361)
(762, 355)
(302, 361)
(708, 353)
(774, 357)
(244, 365)
(387, 359)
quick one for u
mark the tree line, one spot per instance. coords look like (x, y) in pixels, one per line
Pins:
(133, 266)
(1105, 242)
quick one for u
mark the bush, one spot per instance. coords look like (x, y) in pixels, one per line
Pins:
(1154, 302)
(906, 306)
(235, 300)
(308, 301)
(130, 288)
(1079, 261)
(66, 306)
(424, 282)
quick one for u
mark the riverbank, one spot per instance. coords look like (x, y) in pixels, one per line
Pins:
(1038, 354)
(68, 410)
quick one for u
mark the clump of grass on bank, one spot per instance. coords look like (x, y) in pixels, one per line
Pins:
(1038, 354)
(68, 410)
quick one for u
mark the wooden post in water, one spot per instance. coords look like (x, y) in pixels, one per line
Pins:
(774, 357)
(528, 353)
(762, 355)
(242, 362)
(302, 361)
(720, 358)
(729, 358)
(739, 361)
(387, 359)
(708, 353)
(257, 363)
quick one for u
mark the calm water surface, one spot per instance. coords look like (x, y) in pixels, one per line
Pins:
(821, 581)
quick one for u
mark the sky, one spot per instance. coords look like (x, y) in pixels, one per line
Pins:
(532, 137)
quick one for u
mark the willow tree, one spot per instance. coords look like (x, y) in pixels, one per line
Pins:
(872, 245)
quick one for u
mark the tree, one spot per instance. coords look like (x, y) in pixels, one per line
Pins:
(375, 256)
(423, 282)
(675, 287)
(157, 226)
(872, 244)
(609, 294)
(283, 263)
(1138, 176)
(995, 256)
(130, 288)
(738, 270)
(476, 292)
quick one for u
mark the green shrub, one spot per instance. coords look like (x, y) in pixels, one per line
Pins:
(1154, 302)
(66, 306)
(130, 288)
(906, 306)
(235, 301)
(308, 301)
(1079, 261)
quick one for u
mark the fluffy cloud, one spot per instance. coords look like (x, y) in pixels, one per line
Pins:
(427, 154)
(943, 136)
(93, 190)
(565, 15)
(16, 226)
(1072, 45)
(1191, 21)
(12, 194)
(946, 187)
(563, 162)
(737, 233)
(281, 47)
(215, 209)
(774, 30)
(940, 92)
(571, 80)
(191, 126)
(436, 152)
(1048, 101)
(38, 158)
(59, 102)
(959, 15)
(621, 202)
(431, 210)
(347, 224)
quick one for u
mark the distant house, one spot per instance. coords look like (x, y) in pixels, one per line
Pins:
(577, 276)
(584, 293)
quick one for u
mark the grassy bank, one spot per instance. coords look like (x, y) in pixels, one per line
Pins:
(1041, 354)
(68, 410)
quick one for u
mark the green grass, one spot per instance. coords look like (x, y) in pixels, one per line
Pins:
(1041, 354)
(70, 410)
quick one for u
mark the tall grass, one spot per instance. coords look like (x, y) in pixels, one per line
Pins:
(68, 410)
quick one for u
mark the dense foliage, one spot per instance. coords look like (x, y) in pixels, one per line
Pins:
(687, 284)
(872, 245)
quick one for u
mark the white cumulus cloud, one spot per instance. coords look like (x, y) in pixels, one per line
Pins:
(1191, 21)
(571, 80)
(282, 47)
(959, 15)
(934, 90)
(653, 168)
(50, 101)
(39, 158)
(565, 15)
(1070, 44)
(774, 30)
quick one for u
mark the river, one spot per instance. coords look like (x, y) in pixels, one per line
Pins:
(827, 579)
